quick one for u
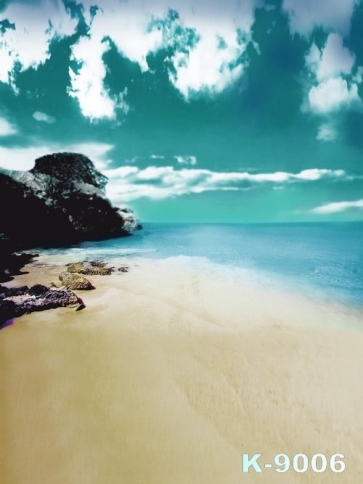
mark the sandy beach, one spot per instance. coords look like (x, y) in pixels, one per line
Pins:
(169, 376)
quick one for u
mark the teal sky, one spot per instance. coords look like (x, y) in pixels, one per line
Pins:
(196, 110)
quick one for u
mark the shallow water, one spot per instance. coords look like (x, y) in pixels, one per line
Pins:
(324, 258)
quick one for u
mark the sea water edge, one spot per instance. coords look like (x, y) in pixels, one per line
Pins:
(321, 261)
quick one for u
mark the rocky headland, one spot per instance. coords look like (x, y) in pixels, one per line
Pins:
(60, 202)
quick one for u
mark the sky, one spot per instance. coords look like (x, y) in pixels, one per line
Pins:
(235, 111)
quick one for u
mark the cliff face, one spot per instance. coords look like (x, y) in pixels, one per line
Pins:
(60, 201)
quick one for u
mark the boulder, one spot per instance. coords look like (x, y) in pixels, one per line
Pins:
(37, 298)
(75, 281)
(38, 290)
(86, 268)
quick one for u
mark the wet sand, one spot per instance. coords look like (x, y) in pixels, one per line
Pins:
(169, 376)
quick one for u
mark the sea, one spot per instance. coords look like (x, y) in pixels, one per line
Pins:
(318, 260)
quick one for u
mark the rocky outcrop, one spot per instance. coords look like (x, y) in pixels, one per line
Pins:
(75, 282)
(89, 268)
(60, 201)
(15, 302)
(130, 222)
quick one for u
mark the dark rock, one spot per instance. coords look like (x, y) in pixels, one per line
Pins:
(75, 281)
(19, 225)
(12, 263)
(37, 298)
(97, 263)
(60, 201)
(67, 171)
(7, 311)
(81, 305)
(123, 269)
(38, 290)
(12, 291)
(55, 298)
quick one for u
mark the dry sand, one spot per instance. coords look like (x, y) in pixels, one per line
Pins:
(168, 377)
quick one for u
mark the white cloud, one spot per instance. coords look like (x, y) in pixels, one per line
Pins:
(130, 183)
(331, 86)
(135, 30)
(6, 61)
(332, 15)
(35, 26)
(332, 95)
(313, 57)
(211, 65)
(337, 207)
(330, 69)
(126, 23)
(87, 83)
(186, 160)
(157, 157)
(327, 132)
(335, 59)
(208, 67)
(20, 158)
(358, 77)
(6, 128)
(317, 174)
(43, 117)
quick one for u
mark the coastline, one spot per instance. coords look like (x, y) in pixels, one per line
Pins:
(169, 376)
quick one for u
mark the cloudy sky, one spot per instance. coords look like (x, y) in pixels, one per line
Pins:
(196, 110)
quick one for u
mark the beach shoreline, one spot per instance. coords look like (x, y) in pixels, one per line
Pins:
(170, 376)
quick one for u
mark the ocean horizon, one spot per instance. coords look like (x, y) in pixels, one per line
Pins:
(316, 259)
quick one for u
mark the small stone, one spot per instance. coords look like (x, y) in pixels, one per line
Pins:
(97, 263)
(56, 284)
(124, 269)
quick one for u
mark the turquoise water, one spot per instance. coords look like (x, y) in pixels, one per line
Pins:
(326, 259)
